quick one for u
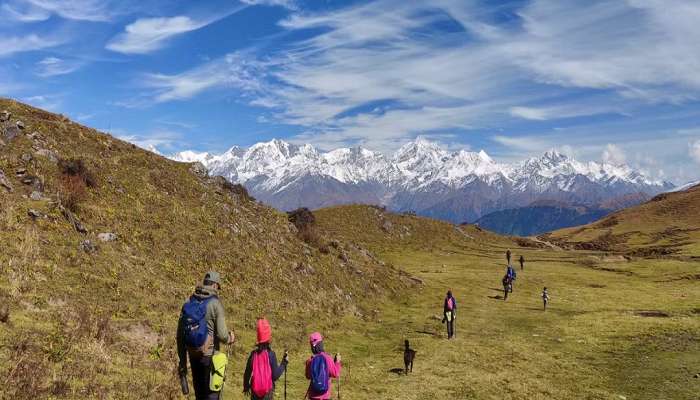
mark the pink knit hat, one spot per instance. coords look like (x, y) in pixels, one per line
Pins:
(315, 338)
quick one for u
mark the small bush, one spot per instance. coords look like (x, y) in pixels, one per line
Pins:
(305, 222)
(75, 179)
(76, 167)
(73, 192)
(302, 218)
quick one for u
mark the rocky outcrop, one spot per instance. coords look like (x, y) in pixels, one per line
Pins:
(4, 182)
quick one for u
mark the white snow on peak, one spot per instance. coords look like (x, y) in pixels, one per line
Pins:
(684, 187)
(417, 165)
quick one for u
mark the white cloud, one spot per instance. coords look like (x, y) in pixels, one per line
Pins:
(156, 141)
(53, 66)
(613, 154)
(290, 4)
(608, 45)
(380, 73)
(538, 114)
(19, 44)
(82, 10)
(23, 13)
(694, 149)
(150, 34)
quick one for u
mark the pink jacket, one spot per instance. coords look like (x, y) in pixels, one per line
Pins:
(334, 372)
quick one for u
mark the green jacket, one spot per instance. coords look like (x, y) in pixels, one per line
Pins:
(216, 324)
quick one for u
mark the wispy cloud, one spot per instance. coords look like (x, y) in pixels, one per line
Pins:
(382, 71)
(150, 34)
(613, 154)
(146, 35)
(158, 141)
(290, 4)
(694, 150)
(54, 66)
(32, 42)
(82, 10)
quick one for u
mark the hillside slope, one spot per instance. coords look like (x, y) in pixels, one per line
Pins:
(667, 224)
(88, 317)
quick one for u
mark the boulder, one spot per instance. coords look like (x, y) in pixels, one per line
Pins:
(12, 132)
(26, 158)
(19, 125)
(4, 182)
(48, 154)
(36, 196)
(107, 237)
(34, 214)
(5, 116)
(87, 246)
(199, 169)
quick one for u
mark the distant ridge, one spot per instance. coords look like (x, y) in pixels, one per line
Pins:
(421, 176)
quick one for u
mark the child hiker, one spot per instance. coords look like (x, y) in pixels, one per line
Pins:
(320, 368)
(261, 370)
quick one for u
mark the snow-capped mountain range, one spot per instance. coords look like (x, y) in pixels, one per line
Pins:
(421, 176)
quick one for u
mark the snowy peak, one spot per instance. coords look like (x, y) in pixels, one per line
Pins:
(417, 166)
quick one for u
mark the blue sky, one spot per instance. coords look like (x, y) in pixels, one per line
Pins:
(614, 80)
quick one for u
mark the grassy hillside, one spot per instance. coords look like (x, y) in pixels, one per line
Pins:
(615, 329)
(97, 319)
(668, 224)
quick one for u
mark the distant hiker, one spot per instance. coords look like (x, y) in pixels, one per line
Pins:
(261, 370)
(522, 262)
(510, 273)
(320, 368)
(508, 256)
(545, 299)
(408, 356)
(201, 329)
(507, 286)
(449, 313)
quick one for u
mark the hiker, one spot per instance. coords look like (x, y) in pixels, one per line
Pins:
(320, 368)
(507, 286)
(545, 299)
(261, 369)
(510, 273)
(522, 262)
(508, 256)
(201, 330)
(449, 313)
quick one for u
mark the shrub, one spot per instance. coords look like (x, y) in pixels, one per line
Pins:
(75, 179)
(302, 218)
(76, 167)
(305, 222)
(73, 192)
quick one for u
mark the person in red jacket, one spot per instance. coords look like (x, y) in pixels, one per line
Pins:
(332, 369)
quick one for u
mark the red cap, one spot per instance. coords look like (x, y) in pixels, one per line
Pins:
(264, 331)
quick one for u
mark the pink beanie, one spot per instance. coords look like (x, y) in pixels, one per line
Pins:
(315, 338)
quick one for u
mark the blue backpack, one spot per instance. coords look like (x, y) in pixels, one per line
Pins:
(319, 374)
(195, 324)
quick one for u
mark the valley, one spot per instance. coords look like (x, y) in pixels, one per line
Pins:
(89, 315)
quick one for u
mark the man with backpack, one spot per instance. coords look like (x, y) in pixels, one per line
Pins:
(201, 330)
(449, 313)
(261, 370)
(522, 262)
(510, 273)
(320, 368)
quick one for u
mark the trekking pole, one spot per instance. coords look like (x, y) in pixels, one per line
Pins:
(285, 377)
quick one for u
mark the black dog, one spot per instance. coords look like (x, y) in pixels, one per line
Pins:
(408, 356)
